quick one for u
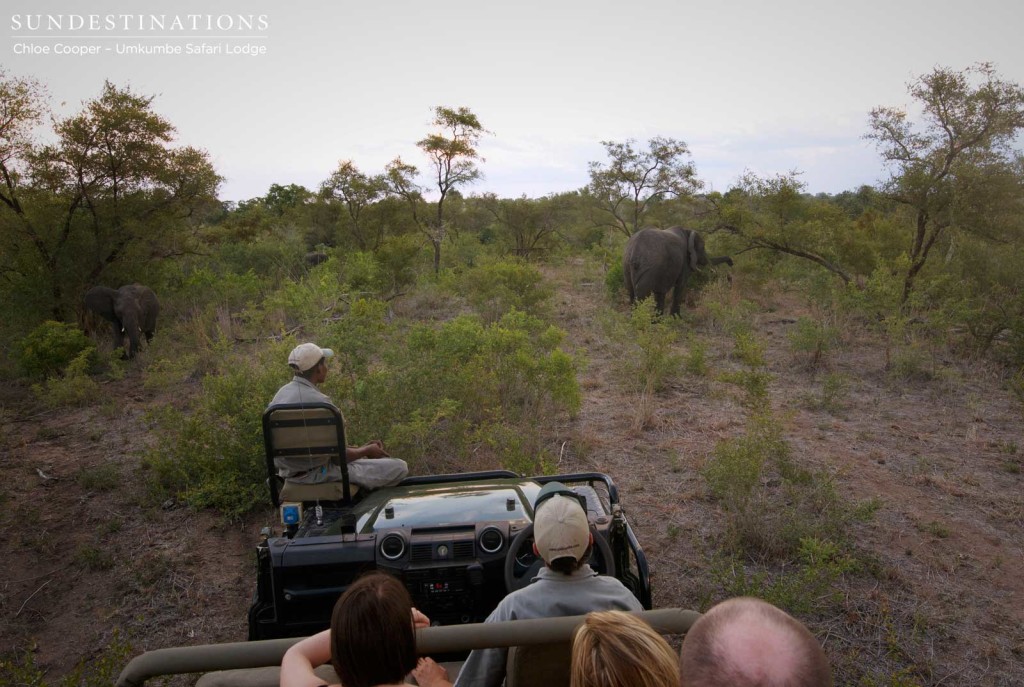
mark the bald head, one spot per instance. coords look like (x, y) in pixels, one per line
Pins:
(749, 643)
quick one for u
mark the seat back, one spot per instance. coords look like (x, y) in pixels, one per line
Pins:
(303, 436)
(540, 664)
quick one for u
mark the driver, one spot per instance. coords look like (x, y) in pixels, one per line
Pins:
(566, 585)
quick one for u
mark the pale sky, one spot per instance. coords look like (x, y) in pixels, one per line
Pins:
(765, 86)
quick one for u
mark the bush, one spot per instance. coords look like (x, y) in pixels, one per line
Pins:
(754, 383)
(749, 349)
(648, 359)
(805, 588)
(51, 347)
(615, 281)
(494, 288)
(834, 389)
(75, 388)
(696, 358)
(772, 505)
(462, 386)
(213, 455)
(811, 340)
(399, 258)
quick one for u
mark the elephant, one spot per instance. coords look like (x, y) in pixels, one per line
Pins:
(314, 258)
(131, 309)
(659, 260)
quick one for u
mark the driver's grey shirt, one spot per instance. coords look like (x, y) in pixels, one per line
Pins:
(551, 595)
(299, 390)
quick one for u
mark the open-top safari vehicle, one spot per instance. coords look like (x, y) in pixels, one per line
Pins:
(459, 543)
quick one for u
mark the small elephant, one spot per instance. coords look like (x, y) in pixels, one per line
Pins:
(314, 258)
(132, 309)
(659, 260)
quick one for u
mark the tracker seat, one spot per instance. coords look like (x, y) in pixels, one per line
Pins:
(305, 436)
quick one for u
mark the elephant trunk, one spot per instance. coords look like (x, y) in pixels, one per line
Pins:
(131, 333)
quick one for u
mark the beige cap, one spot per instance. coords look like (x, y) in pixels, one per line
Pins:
(560, 528)
(304, 356)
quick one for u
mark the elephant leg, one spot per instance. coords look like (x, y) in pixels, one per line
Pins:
(659, 302)
(149, 337)
(677, 297)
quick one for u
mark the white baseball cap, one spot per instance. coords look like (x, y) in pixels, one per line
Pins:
(305, 356)
(560, 528)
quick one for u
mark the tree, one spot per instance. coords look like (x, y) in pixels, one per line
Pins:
(946, 168)
(633, 180)
(529, 223)
(774, 214)
(357, 191)
(280, 199)
(453, 161)
(110, 190)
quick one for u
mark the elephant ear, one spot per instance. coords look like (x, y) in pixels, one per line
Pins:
(100, 300)
(691, 247)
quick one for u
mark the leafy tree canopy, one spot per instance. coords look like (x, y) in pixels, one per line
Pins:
(634, 179)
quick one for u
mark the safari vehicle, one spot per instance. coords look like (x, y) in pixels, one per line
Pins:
(459, 543)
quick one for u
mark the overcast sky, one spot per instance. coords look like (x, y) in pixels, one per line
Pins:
(765, 86)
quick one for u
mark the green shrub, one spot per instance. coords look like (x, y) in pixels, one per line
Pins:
(910, 363)
(400, 258)
(212, 456)
(615, 281)
(355, 338)
(49, 348)
(205, 286)
(363, 274)
(306, 302)
(806, 587)
(754, 383)
(167, 371)
(831, 398)
(733, 318)
(648, 358)
(93, 557)
(494, 288)
(772, 506)
(811, 340)
(74, 388)
(455, 387)
(749, 349)
(100, 478)
(695, 361)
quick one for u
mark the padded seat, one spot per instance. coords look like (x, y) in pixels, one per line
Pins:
(325, 491)
(299, 437)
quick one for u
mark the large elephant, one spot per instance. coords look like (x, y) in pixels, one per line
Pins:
(132, 309)
(660, 260)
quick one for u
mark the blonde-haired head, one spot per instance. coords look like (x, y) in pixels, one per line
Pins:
(617, 649)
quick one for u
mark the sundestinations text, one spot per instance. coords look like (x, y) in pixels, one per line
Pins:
(139, 22)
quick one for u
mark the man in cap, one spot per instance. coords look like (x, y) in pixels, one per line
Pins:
(369, 465)
(746, 642)
(566, 585)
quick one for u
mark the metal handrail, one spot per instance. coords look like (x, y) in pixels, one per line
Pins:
(431, 640)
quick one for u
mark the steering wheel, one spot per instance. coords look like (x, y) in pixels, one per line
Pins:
(522, 566)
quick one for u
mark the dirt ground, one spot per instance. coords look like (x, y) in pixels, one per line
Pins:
(87, 558)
